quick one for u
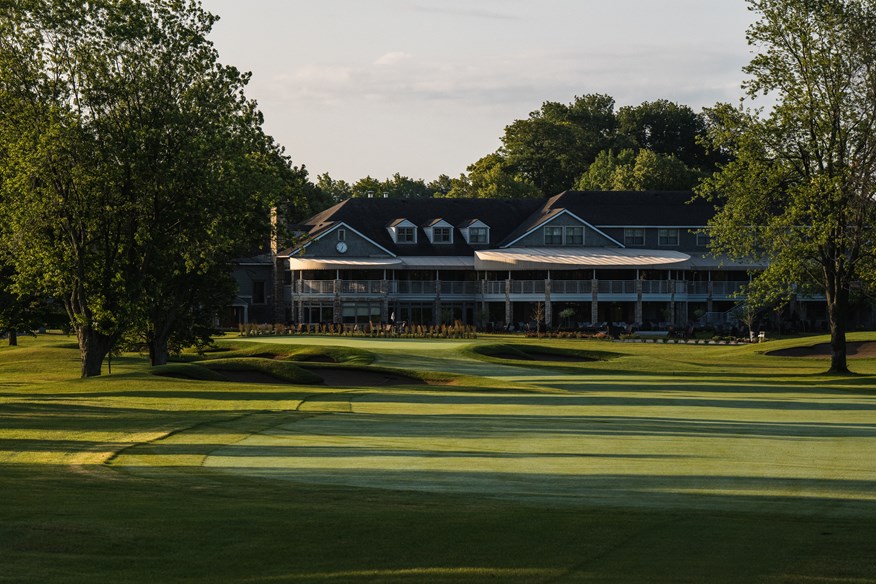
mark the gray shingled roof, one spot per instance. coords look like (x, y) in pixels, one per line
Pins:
(509, 219)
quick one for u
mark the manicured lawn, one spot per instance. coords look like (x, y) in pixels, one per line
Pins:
(649, 463)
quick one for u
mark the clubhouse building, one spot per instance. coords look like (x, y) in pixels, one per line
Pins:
(576, 260)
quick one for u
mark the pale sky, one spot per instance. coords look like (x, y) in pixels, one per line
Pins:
(425, 87)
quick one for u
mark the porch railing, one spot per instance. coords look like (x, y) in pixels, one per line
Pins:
(719, 289)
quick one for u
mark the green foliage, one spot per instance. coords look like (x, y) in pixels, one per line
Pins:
(562, 146)
(491, 178)
(134, 167)
(799, 191)
(553, 147)
(637, 171)
(334, 191)
(667, 128)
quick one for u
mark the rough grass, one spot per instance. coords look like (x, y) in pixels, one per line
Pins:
(528, 354)
(227, 349)
(280, 370)
(665, 464)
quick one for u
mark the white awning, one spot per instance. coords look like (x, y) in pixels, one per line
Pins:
(300, 263)
(706, 262)
(581, 257)
(439, 262)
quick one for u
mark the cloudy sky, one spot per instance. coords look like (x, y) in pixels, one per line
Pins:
(425, 87)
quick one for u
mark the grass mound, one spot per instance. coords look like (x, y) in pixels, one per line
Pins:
(231, 350)
(253, 369)
(186, 371)
(503, 353)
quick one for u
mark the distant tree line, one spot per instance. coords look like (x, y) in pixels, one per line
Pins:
(587, 145)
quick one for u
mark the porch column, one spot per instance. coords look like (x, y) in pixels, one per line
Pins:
(300, 296)
(337, 314)
(709, 303)
(482, 287)
(639, 286)
(436, 307)
(279, 291)
(672, 315)
(548, 307)
(508, 311)
(594, 299)
(684, 316)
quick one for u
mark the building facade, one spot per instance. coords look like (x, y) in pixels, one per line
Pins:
(576, 260)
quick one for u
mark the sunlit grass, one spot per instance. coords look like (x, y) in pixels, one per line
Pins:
(661, 463)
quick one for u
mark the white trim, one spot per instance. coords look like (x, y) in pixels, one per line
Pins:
(560, 214)
(332, 230)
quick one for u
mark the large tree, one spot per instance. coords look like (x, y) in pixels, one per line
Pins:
(490, 178)
(666, 128)
(555, 144)
(124, 143)
(800, 191)
(637, 171)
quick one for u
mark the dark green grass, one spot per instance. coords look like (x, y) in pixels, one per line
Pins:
(279, 370)
(229, 349)
(59, 525)
(104, 480)
(538, 355)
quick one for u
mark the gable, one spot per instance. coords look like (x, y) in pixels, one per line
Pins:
(357, 245)
(536, 236)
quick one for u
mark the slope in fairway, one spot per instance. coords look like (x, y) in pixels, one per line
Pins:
(665, 464)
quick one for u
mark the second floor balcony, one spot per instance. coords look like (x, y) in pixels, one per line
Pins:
(495, 289)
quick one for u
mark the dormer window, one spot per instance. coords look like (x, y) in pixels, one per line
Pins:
(442, 235)
(403, 231)
(406, 235)
(475, 232)
(439, 231)
(478, 235)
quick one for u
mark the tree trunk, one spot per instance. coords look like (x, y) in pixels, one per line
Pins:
(158, 354)
(837, 312)
(93, 349)
(13, 338)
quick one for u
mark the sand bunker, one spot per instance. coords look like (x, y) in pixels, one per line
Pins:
(860, 350)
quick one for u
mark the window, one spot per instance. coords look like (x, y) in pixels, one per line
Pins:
(342, 235)
(442, 235)
(258, 292)
(553, 236)
(634, 236)
(406, 235)
(703, 239)
(478, 235)
(667, 237)
(574, 236)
